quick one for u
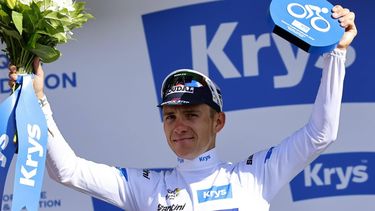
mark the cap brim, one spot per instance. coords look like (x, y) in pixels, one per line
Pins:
(181, 99)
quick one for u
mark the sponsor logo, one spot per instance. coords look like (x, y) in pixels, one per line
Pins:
(215, 193)
(237, 57)
(306, 12)
(172, 194)
(204, 158)
(180, 89)
(336, 175)
(146, 173)
(4, 140)
(357, 174)
(249, 160)
(177, 101)
(180, 160)
(171, 207)
(34, 133)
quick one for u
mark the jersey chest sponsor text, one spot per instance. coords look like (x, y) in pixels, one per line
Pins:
(215, 193)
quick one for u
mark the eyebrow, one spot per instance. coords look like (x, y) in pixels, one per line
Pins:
(168, 113)
(191, 111)
(187, 110)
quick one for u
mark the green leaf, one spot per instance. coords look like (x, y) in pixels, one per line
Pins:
(31, 18)
(29, 22)
(52, 28)
(33, 40)
(4, 17)
(61, 37)
(17, 20)
(11, 3)
(78, 7)
(46, 53)
(11, 33)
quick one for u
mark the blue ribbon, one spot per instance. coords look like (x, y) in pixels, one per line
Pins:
(32, 141)
(7, 132)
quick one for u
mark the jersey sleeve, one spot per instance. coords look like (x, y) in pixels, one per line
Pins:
(281, 163)
(104, 182)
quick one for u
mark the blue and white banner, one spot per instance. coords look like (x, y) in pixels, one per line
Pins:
(241, 55)
(32, 142)
(7, 133)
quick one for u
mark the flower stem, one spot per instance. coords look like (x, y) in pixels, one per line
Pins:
(20, 57)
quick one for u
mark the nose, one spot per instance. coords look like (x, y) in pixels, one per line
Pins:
(180, 126)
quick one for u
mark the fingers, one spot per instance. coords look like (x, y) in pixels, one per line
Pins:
(346, 19)
(339, 11)
(12, 75)
(38, 81)
(11, 83)
(344, 15)
(37, 67)
(12, 69)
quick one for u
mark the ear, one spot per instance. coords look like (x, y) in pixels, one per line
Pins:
(219, 121)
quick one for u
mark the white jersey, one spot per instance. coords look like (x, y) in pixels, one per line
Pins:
(207, 183)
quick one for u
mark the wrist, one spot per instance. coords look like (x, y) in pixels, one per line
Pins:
(42, 101)
(40, 95)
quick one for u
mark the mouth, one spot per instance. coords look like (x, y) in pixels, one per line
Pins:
(185, 139)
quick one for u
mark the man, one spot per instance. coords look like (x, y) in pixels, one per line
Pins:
(192, 116)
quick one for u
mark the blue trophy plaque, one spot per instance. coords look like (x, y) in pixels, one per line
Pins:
(308, 24)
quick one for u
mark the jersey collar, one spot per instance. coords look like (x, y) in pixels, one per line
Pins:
(205, 160)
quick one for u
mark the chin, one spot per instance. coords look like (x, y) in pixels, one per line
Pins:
(185, 155)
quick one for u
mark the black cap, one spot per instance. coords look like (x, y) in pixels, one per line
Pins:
(190, 87)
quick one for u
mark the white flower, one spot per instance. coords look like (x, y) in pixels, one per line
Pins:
(57, 5)
(61, 4)
(26, 2)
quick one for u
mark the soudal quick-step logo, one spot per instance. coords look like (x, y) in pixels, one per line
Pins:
(336, 175)
(180, 89)
(252, 66)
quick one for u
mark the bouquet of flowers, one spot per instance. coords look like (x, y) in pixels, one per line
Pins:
(32, 28)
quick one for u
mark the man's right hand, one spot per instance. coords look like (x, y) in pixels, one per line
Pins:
(38, 77)
(346, 19)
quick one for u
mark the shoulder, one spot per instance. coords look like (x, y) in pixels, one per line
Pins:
(145, 175)
(254, 162)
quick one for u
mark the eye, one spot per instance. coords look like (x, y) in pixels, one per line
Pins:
(191, 115)
(169, 117)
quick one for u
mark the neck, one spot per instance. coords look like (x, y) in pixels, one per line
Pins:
(203, 161)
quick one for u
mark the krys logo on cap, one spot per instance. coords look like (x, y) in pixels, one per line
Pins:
(308, 25)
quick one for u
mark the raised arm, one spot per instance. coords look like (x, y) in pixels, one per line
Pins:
(99, 180)
(324, 122)
(284, 161)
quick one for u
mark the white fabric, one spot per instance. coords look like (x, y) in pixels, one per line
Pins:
(207, 183)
